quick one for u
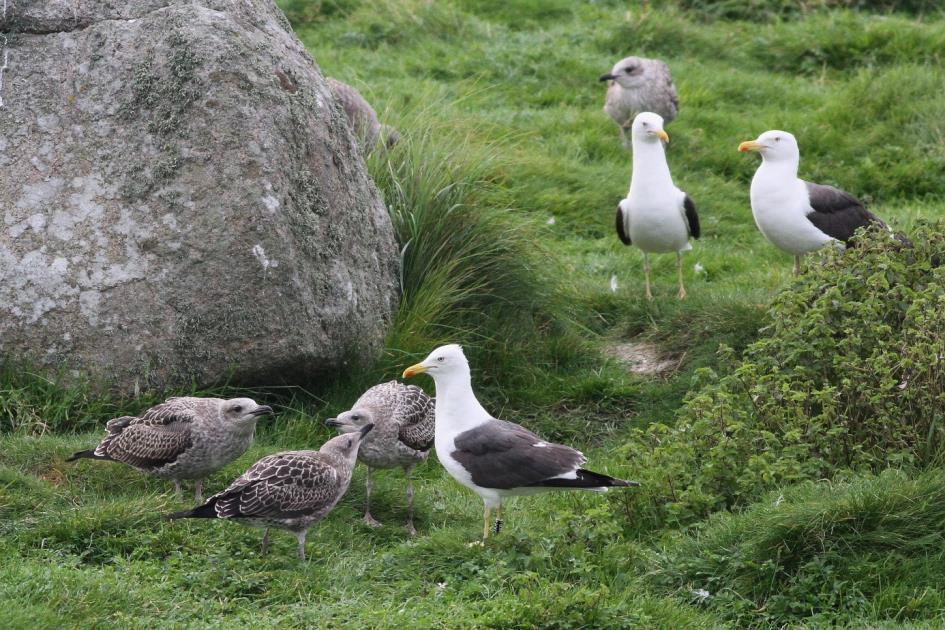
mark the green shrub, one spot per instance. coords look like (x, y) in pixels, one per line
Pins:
(847, 375)
(870, 548)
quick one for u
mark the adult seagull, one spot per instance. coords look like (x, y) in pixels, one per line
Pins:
(798, 216)
(656, 216)
(494, 458)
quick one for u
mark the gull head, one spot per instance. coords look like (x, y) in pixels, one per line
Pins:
(346, 446)
(627, 73)
(444, 363)
(774, 146)
(351, 421)
(648, 127)
(243, 411)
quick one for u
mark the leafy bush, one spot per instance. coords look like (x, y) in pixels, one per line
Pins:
(864, 548)
(847, 375)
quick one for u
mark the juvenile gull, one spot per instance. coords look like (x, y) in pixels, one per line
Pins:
(182, 438)
(656, 216)
(639, 85)
(795, 215)
(290, 490)
(362, 117)
(494, 458)
(403, 418)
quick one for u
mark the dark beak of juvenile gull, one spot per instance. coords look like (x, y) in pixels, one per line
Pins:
(263, 410)
(366, 429)
(607, 77)
(332, 422)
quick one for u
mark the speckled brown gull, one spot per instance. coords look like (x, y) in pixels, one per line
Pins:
(362, 117)
(182, 438)
(637, 84)
(403, 418)
(291, 490)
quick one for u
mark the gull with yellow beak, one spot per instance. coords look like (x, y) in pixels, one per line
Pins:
(494, 458)
(656, 216)
(798, 216)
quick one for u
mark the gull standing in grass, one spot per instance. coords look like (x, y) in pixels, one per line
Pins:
(656, 216)
(798, 216)
(182, 438)
(402, 416)
(291, 490)
(639, 85)
(494, 458)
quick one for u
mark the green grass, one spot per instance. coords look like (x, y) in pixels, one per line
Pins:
(502, 127)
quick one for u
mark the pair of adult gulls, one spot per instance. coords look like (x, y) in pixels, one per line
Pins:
(796, 216)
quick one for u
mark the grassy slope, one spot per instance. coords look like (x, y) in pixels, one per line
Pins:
(84, 543)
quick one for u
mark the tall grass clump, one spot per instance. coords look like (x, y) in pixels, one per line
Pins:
(472, 271)
(849, 374)
(867, 548)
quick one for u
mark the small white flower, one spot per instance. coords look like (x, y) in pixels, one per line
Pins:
(551, 220)
(701, 594)
(779, 500)
(613, 283)
(700, 270)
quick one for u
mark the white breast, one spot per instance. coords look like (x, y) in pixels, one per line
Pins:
(780, 210)
(656, 220)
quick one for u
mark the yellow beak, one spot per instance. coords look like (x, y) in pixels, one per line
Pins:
(662, 136)
(750, 145)
(413, 370)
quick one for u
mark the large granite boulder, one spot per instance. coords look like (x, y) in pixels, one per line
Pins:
(181, 199)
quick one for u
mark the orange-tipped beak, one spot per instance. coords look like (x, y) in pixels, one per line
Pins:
(662, 135)
(750, 145)
(413, 370)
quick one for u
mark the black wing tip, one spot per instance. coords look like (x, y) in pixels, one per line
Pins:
(624, 237)
(207, 510)
(87, 454)
(692, 217)
(587, 479)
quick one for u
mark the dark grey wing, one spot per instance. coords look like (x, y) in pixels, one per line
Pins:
(504, 455)
(837, 213)
(284, 485)
(621, 232)
(692, 218)
(416, 414)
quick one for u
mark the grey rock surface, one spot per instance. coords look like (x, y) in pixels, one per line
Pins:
(181, 199)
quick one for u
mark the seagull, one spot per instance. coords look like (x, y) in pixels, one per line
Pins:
(494, 458)
(402, 416)
(656, 216)
(182, 438)
(290, 490)
(798, 216)
(639, 85)
(362, 117)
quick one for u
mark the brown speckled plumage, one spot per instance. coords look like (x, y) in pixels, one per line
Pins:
(404, 420)
(183, 438)
(362, 117)
(290, 490)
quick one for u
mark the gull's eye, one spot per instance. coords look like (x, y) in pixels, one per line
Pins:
(441, 359)
(777, 138)
(646, 124)
(238, 408)
(629, 70)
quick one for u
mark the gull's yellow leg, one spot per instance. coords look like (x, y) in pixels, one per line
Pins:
(682, 289)
(485, 523)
